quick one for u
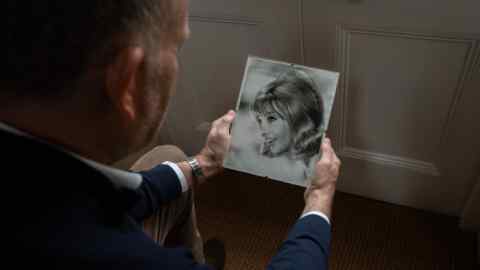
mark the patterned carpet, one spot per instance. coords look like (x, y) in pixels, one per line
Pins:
(253, 216)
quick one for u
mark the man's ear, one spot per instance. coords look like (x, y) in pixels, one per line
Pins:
(124, 79)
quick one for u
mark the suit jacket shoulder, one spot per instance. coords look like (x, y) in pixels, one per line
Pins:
(62, 213)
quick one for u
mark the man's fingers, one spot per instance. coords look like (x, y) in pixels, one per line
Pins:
(337, 161)
(223, 123)
(328, 155)
(327, 141)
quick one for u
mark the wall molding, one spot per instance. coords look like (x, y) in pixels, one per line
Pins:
(301, 25)
(225, 20)
(476, 67)
(342, 63)
(370, 30)
(467, 69)
(470, 219)
(392, 161)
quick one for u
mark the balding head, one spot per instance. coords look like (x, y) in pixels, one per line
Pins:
(52, 44)
(93, 75)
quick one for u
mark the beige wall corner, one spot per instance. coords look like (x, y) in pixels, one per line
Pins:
(471, 213)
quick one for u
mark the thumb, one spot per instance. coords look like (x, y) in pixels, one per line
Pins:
(230, 116)
(225, 122)
(327, 151)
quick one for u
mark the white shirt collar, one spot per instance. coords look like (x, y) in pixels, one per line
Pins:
(119, 178)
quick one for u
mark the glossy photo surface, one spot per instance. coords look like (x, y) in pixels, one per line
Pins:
(283, 111)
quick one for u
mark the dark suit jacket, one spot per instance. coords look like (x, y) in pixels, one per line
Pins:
(61, 213)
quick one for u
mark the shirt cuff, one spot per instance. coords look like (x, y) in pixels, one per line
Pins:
(179, 173)
(316, 213)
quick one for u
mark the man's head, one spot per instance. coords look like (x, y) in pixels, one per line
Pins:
(114, 57)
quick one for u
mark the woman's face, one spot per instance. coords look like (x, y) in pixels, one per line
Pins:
(275, 132)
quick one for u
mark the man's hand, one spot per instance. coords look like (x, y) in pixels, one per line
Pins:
(213, 153)
(319, 195)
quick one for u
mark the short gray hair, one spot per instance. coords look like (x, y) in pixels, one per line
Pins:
(52, 43)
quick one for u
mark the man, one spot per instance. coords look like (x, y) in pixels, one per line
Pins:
(85, 84)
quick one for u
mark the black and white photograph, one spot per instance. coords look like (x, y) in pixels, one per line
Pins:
(283, 111)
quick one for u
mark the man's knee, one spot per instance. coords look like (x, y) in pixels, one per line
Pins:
(158, 155)
(170, 153)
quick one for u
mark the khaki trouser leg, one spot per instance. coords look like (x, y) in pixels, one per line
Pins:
(175, 223)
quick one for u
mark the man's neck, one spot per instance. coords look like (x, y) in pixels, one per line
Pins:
(75, 132)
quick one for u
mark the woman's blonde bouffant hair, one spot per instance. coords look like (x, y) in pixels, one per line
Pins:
(294, 97)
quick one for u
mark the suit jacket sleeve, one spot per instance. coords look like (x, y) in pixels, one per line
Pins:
(160, 185)
(307, 246)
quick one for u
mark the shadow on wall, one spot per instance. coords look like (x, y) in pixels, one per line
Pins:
(471, 212)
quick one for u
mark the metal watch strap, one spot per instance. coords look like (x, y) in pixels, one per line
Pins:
(196, 170)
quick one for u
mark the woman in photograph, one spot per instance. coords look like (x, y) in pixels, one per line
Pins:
(289, 114)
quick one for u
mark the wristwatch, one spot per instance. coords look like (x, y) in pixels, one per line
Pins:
(196, 170)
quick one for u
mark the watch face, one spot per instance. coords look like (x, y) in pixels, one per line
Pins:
(196, 170)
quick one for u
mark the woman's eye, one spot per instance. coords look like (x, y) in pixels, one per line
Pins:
(271, 118)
